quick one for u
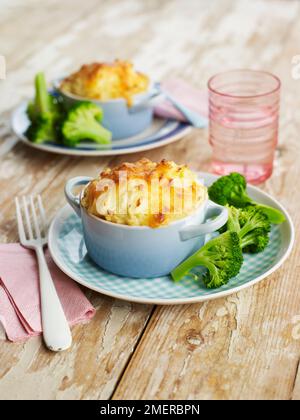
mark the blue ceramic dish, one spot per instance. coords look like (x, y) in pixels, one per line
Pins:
(123, 121)
(141, 251)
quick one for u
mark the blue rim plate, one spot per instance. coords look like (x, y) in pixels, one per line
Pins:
(160, 133)
(69, 253)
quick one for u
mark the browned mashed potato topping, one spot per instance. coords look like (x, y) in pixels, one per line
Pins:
(144, 193)
(105, 81)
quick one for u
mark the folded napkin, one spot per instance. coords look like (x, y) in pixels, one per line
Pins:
(191, 97)
(20, 312)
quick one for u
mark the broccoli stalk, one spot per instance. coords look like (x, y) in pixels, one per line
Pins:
(233, 223)
(83, 123)
(231, 189)
(42, 102)
(222, 256)
(43, 113)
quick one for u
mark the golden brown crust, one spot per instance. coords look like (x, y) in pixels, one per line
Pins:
(155, 194)
(105, 81)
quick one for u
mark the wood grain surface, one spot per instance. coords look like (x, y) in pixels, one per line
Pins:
(246, 346)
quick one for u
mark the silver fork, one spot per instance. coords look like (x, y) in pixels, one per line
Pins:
(56, 330)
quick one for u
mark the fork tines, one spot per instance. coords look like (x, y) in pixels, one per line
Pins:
(31, 218)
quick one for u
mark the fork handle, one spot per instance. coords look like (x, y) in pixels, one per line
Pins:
(56, 330)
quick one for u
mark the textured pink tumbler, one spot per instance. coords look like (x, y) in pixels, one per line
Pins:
(243, 122)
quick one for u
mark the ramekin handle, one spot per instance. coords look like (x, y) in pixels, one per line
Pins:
(219, 216)
(72, 199)
(149, 100)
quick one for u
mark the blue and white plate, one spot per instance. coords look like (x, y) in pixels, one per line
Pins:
(160, 133)
(68, 250)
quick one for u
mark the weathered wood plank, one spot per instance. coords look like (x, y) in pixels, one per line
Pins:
(245, 346)
(103, 346)
(88, 371)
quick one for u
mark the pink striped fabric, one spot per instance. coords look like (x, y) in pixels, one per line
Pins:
(191, 97)
(20, 312)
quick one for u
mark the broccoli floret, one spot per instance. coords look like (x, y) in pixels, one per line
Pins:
(255, 229)
(252, 225)
(83, 123)
(221, 256)
(231, 189)
(48, 120)
(44, 113)
(42, 130)
(256, 241)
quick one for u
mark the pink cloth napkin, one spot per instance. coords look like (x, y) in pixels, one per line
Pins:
(20, 312)
(191, 97)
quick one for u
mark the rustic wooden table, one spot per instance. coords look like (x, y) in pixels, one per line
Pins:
(246, 346)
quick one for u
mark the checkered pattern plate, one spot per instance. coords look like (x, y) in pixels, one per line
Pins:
(68, 251)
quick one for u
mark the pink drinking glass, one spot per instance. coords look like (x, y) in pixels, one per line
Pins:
(243, 122)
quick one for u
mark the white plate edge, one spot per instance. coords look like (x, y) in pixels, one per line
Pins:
(92, 153)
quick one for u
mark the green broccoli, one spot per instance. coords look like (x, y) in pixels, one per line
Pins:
(41, 130)
(231, 189)
(83, 123)
(43, 112)
(252, 225)
(221, 256)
